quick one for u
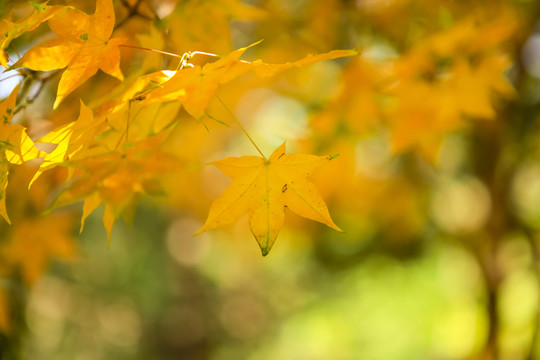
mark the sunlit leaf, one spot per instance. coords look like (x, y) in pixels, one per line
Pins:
(195, 86)
(15, 146)
(42, 13)
(83, 46)
(264, 189)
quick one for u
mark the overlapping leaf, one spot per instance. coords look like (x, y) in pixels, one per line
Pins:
(15, 146)
(83, 46)
(208, 21)
(42, 13)
(195, 86)
(71, 139)
(263, 188)
(47, 237)
(115, 178)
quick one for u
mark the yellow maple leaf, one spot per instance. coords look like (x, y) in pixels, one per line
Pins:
(263, 188)
(144, 119)
(83, 46)
(71, 139)
(153, 39)
(472, 89)
(14, 30)
(115, 178)
(198, 24)
(195, 86)
(34, 242)
(15, 146)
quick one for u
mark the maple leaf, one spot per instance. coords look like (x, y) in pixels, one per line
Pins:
(195, 86)
(144, 119)
(263, 188)
(34, 241)
(71, 139)
(208, 21)
(116, 177)
(83, 46)
(15, 146)
(472, 89)
(153, 39)
(41, 14)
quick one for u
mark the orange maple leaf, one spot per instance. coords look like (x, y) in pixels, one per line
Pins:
(83, 46)
(35, 241)
(14, 30)
(115, 178)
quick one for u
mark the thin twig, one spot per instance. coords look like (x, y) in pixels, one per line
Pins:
(42, 80)
(127, 129)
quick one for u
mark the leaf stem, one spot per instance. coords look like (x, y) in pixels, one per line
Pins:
(204, 53)
(152, 50)
(125, 134)
(241, 127)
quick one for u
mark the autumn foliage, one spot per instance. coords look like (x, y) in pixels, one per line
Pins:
(122, 102)
(83, 46)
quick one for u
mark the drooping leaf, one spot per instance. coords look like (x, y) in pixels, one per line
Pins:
(116, 178)
(15, 146)
(71, 139)
(263, 188)
(83, 46)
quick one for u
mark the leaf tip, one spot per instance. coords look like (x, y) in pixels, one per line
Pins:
(332, 157)
(38, 7)
(265, 250)
(200, 231)
(57, 103)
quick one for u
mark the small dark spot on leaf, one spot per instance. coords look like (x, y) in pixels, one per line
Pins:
(284, 188)
(9, 111)
(83, 37)
(281, 155)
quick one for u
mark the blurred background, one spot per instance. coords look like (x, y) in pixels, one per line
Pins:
(437, 188)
